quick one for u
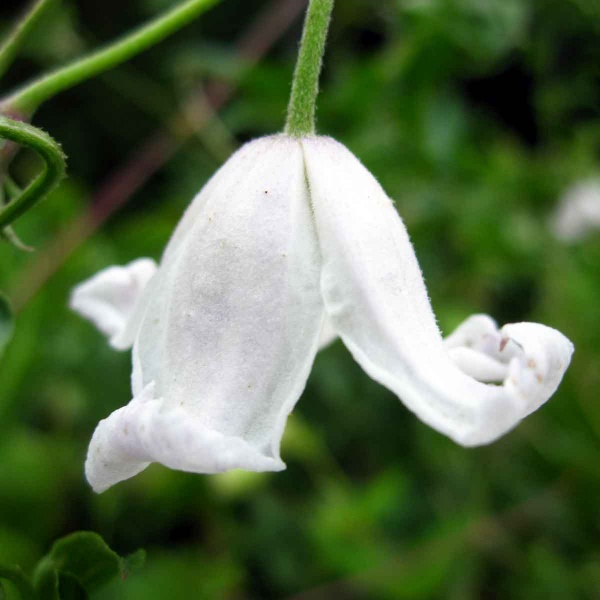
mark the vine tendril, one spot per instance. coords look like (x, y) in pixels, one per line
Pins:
(12, 44)
(53, 171)
(26, 100)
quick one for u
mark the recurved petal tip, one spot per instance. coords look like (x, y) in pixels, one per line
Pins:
(108, 299)
(535, 358)
(537, 367)
(146, 431)
(529, 357)
(474, 348)
(377, 301)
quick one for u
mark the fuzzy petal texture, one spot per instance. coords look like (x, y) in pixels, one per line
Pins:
(230, 329)
(109, 299)
(469, 346)
(377, 301)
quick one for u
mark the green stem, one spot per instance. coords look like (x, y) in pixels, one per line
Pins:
(16, 576)
(305, 87)
(53, 171)
(11, 187)
(26, 100)
(9, 49)
(8, 233)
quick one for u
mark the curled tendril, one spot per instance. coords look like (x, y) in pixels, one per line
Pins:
(51, 153)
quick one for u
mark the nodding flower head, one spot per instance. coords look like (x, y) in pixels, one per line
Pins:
(291, 243)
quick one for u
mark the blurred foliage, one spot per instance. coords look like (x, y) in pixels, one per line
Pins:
(6, 322)
(78, 565)
(475, 115)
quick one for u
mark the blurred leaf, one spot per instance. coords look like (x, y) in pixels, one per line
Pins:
(182, 574)
(6, 322)
(20, 581)
(16, 547)
(80, 564)
(70, 588)
(132, 562)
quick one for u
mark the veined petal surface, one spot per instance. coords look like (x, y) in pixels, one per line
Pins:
(376, 298)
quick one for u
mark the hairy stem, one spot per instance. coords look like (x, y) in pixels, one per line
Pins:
(25, 101)
(305, 87)
(10, 47)
(53, 171)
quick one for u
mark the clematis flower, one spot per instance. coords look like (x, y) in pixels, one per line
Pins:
(291, 243)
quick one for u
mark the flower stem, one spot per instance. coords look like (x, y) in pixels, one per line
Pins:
(305, 87)
(11, 45)
(54, 167)
(25, 101)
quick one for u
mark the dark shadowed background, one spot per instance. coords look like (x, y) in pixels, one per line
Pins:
(476, 116)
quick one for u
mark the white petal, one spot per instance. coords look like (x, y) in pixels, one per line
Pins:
(232, 327)
(578, 213)
(225, 183)
(474, 348)
(220, 179)
(478, 332)
(328, 334)
(478, 365)
(376, 298)
(109, 298)
(146, 431)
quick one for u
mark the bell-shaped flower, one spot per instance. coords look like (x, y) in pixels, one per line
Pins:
(291, 243)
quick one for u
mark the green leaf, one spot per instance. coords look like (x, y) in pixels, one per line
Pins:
(79, 564)
(132, 562)
(6, 322)
(16, 576)
(69, 588)
(46, 581)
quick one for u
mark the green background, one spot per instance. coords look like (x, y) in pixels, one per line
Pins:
(475, 115)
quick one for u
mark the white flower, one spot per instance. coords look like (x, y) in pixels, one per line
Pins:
(578, 212)
(290, 241)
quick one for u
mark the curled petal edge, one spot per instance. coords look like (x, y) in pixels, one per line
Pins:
(474, 347)
(145, 431)
(470, 346)
(109, 299)
(529, 359)
(537, 366)
(377, 301)
(540, 357)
